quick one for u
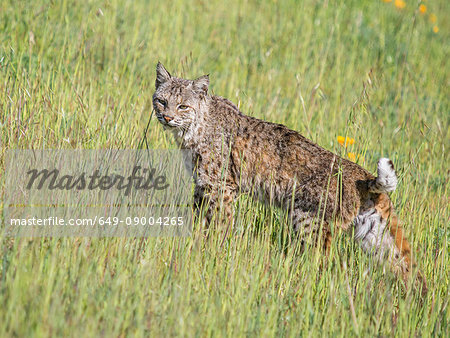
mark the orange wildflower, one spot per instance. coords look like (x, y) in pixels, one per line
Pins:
(352, 157)
(422, 9)
(435, 29)
(400, 4)
(345, 141)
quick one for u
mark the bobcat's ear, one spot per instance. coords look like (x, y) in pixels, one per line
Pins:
(162, 75)
(201, 84)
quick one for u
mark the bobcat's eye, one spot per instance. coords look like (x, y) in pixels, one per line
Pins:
(183, 107)
(161, 102)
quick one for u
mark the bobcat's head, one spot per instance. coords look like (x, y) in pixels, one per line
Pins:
(178, 102)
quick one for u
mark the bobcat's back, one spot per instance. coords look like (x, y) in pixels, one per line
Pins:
(279, 163)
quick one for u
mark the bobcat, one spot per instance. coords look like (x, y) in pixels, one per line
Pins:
(234, 153)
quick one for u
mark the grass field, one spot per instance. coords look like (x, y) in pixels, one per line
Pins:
(76, 74)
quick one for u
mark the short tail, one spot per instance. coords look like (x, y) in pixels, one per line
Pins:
(386, 180)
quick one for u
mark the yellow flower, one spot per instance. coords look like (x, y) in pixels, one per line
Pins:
(433, 18)
(387, 0)
(422, 9)
(352, 157)
(345, 140)
(400, 4)
(435, 29)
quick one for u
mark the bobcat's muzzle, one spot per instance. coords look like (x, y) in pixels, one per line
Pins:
(167, 118)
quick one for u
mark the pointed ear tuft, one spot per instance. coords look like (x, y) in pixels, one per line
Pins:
(162, 75)
(201, 84)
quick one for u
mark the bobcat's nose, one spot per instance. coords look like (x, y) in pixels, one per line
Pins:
(168, 118)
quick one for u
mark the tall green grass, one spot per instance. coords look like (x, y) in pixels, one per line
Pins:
(79, 74)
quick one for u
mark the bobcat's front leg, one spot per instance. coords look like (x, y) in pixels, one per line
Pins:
(219, 206)
(215, 203)
(210, 203)
(215, 188)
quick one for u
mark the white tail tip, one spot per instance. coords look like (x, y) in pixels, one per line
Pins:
(386, 180)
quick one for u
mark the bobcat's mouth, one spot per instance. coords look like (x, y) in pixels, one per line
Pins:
(164, 120)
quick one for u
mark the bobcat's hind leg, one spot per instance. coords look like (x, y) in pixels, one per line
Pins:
(311, 229)
(379, 233)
